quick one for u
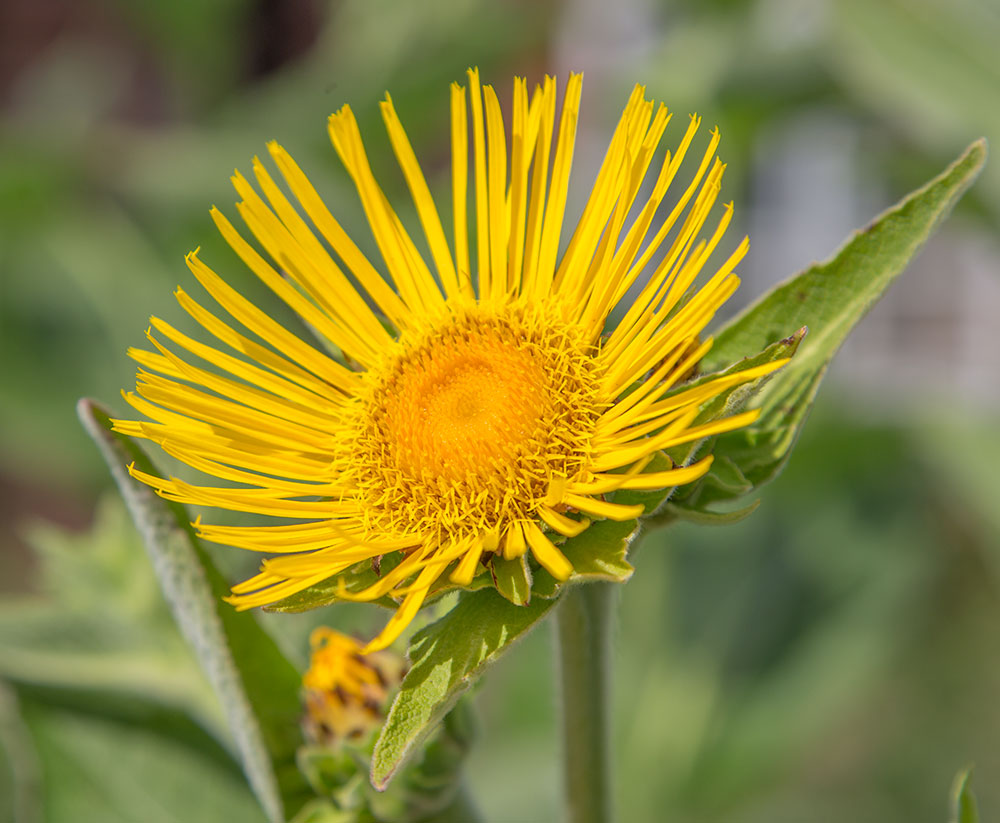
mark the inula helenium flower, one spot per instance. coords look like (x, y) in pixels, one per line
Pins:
(483, 405)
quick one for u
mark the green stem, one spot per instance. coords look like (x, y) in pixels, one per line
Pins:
(585, 619)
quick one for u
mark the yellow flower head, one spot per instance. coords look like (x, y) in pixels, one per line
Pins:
(478, 409)
(344, 690)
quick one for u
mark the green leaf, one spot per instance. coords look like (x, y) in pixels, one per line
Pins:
(430, 787)
(257, 686)
(963, 803)
(830, 298)
(447, 657)
(512, 578)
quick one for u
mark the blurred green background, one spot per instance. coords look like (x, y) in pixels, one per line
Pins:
(831, 658)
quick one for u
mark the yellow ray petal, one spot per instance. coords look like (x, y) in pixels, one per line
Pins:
(426, 209)
(545, 552)
(555, 206)
(482, 192)
(460, 187)
(601, 508)
(369, 278)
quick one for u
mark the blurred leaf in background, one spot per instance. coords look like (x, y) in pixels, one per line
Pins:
(106, 715)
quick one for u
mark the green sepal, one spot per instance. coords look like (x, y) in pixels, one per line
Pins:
(326, 811)
(739, 397)
(429, 788)
(651, 500)
(512, 578)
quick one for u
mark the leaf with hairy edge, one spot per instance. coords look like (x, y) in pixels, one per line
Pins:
(446, 658)
(257, 686)
(830, 298)
(729, 402)
(964, 808)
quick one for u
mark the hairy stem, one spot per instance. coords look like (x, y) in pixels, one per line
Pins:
(585, 619)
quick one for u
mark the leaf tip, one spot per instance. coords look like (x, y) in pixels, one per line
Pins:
(85, 407)
(92, 415)
(793, 340)
(964, 808)
(980, 146)
(972, 159)
(380, 778)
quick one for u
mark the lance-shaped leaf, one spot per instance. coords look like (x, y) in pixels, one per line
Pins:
(446, 659)
(257, 686)
(830, 298)
(963, 802)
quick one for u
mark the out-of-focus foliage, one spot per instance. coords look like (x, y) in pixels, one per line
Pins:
(106, 715)
(830, 658)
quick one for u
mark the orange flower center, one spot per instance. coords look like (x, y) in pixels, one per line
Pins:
(466, 425)
(466, 408)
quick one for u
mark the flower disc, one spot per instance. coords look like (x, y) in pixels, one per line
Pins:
(467, 426)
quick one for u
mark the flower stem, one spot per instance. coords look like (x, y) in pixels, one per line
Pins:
(584, 621)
